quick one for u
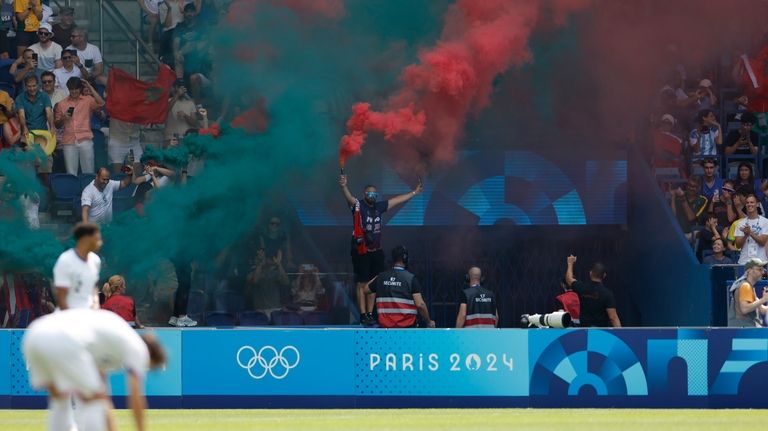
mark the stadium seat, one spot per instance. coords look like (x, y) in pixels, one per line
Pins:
(85, 179)
(230, 301)
(253, 318)
(219, 318)
(317, 318)
(66, 192)
(8, 88)
(22, 318)
(123, 198)
(287, 318)
(196, 306)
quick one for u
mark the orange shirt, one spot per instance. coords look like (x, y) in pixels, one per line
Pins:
(79, 127)
(747, 293)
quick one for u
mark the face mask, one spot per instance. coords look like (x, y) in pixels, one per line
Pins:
(371, 196)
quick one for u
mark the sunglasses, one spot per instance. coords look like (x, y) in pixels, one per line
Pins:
(68, 57)
(43, 33)
(47, 81)
(729, 190)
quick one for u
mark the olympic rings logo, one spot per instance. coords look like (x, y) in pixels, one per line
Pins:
(268, 361)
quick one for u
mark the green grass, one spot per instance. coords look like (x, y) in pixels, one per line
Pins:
(424, 419)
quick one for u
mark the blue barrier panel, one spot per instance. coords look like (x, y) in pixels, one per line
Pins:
(5, 369)
(332, 368)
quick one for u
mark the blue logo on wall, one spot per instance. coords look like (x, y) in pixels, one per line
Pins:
(595, 359)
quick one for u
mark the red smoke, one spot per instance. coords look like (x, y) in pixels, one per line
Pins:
(481, 39)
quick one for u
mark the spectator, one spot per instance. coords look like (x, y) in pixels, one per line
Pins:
(398, 294)
(722, 207)
(367, 256)
(49, 87)
(70, 68)
(6, 113)
(743, 140)
(752, 233)
(668, 147)
(268, 282)
(151, 12)
(718, 256)
(97, 196)
(35, 113)
(24, 66)
(702, 98)
(123, 137)
(29, 14)
(746, 179)
(171, 14)
(191, 47)
(568, 300)
(162, 286)
(48, 52)
(118, 302)
(183, 269)
(89, 55)
(688, 205)
(704, 140)
(307, 288)
(62, 30)
(7, 24)
(598, 308)
(182, 114)
(73, 115)
(711, 184)
(155, 176)
(274, 239)
(744, 309)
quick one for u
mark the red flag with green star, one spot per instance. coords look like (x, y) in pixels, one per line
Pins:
(139, 102)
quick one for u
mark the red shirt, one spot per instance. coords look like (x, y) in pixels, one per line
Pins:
(121, 305)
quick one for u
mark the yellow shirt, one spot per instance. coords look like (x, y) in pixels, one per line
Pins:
(732, 232)
(31, 23)
(5, 100)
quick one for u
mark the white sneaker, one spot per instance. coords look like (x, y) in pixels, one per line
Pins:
(173, 321)
(186, 321)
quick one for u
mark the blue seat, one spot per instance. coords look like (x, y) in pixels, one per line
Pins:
(85, 179)
(230, 301)
(219, 318)
(287, 318)
(8, 88)
(317, 318)
(66, 192)
(253, 318)
(22, 318)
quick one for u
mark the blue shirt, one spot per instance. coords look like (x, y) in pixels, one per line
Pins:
(709, 192)
(371, 216)
(34, 111)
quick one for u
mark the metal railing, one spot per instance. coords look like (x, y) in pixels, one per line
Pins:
(142, 50)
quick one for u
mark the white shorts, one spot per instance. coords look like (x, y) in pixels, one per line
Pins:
(57, 360)
(118, 150)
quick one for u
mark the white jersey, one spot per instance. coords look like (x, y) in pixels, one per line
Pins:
(78, 276)
(104, 335)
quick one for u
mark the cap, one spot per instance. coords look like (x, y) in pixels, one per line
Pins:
(66, 10)
(705, 83)
(668, 118)
(667, 88)
(751, 263)
(46, 26)
(747, 117)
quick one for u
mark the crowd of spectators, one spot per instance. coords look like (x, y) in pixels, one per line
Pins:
(709, 157)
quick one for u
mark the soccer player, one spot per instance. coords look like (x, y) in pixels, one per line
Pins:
(70, 352)
(76, 272)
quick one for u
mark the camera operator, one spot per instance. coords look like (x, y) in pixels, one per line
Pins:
(478, 304)
(398, 294)
(598, 308)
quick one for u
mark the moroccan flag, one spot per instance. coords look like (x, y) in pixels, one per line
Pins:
(139, 102)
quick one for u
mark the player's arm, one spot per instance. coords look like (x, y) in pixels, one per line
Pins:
(461, 318)
(423, 310)
(136, 400)
(61, 297)
(397, 200)
(351, 200)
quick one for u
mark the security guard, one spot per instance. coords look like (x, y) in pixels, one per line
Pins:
(398, 294)
(478, 304)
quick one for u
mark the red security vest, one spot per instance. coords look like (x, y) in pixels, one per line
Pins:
(394, 299)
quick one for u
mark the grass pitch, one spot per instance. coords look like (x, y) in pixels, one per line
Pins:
(423, 419)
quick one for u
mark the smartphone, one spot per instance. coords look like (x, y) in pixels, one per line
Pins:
(71, 110)
(88, 62)
(34, 56)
